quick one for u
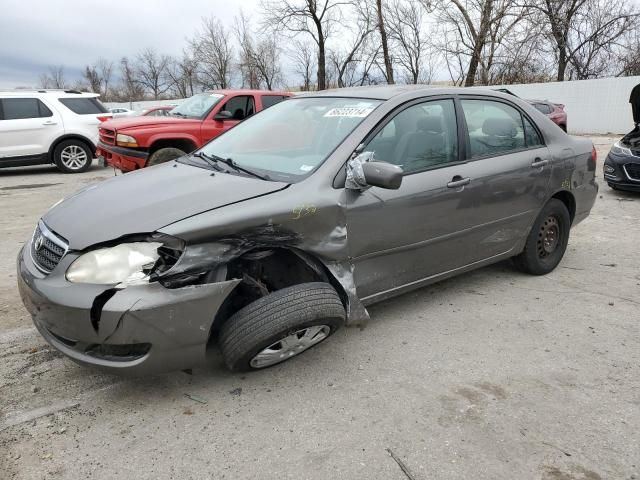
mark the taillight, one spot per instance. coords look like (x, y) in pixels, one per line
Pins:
(103, 118)
(594, 159)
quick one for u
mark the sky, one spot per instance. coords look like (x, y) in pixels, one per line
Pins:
(37, 33)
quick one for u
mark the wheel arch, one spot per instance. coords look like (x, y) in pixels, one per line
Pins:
(569, 201)
(70, 136)
(186, 144)
(269, 269)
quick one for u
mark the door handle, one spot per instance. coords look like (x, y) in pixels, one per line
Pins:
(50, 123)
(538, 162)
(458, 181)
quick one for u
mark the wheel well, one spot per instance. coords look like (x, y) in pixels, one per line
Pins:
(264, 271)
(64, 138)
(569, 201)
(181, 143)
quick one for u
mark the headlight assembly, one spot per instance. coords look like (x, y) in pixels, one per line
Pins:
(127, 263)
(126, 141)
(618, 149)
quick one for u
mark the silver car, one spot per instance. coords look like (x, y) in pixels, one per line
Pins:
(275, 234)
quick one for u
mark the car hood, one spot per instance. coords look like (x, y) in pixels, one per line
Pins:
(146, 200)
(128, 123)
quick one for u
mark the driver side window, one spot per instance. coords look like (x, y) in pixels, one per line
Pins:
(421, 137)
(241, 107)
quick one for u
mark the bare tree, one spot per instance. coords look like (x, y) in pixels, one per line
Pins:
(105, 70)
(474, 24)
(407, 30)
(259, 57)
(213, 53)
(54, 78)
(583, 29)
(388, 66)
(304, 62)
(345, 62)
(92, 77)
(152, 72)
(182, 74)
(131, 89)
(316, 18)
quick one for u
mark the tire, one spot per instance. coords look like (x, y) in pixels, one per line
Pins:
(547, 240)
(164, 155)
(72, 156)
(563, 127)
(282, 320)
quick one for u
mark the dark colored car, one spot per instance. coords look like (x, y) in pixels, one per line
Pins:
(279, 231)
(555, 112)
(622, 165)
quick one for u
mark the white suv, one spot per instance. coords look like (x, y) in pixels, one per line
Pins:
(49, 126)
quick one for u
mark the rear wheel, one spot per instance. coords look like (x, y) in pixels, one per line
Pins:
(280, 326)
(165, 155)
(547, 240)
(72, 156)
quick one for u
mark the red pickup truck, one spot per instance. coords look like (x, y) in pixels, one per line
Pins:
(137, 142)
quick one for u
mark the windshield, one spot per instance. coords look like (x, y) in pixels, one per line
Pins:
(291, 139)
(197, 106)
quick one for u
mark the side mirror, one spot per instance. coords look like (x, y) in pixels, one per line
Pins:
(383, 175)
(223, 115)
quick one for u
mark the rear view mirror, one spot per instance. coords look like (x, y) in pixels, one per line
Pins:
(223, 115)
(383, 175)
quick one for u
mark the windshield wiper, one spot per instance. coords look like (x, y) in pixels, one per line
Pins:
(230, 163)
(211, 161)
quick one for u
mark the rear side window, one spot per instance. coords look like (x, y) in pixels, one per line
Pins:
(21, 108)
(495, 128)
(271, 100)
(83, 106)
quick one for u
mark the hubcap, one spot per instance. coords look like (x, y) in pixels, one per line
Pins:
(73, 157)
(548, 237)
(290, 346)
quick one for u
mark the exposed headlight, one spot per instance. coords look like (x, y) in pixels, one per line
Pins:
(618, 149)
(126, 140)
(609, 169)
(128, 263)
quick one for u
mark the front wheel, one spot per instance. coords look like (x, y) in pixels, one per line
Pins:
(165, 155)
(280, 326)
(72, 156)
(547, 240)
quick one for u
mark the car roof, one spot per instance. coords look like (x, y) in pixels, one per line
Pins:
(248, 92)
(387, 92)
(59, 93)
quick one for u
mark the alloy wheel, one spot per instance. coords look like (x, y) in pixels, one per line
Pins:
(73, 157)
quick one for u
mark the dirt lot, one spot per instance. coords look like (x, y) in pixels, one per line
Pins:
(492, 375)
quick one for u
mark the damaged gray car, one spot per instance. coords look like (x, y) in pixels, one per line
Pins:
(275, 234)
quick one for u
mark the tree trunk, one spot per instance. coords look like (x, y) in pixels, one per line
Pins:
(562, 64)
(480, 41)
(322, 75)
(385, 46)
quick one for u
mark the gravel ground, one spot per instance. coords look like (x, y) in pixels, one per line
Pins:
(491, 375)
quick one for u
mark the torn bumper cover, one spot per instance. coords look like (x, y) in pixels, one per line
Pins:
(138, 330)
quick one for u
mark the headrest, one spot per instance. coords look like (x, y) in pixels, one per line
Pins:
(499, 127)
(430, 124)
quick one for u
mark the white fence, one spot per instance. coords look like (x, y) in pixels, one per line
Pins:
(593, 106)
(142, 105)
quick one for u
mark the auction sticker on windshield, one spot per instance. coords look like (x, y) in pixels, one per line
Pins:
(349, 112)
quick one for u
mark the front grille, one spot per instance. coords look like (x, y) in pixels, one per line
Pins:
(47, 248)
(633, 171)
(107, 136)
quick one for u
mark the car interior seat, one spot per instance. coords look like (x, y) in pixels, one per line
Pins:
(499, 134)
(238, 114)
(424, 147)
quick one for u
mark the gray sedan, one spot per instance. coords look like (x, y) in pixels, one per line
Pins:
(275, 234)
